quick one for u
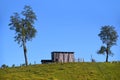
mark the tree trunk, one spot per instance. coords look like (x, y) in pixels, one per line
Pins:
(25, 53)
(107, 54)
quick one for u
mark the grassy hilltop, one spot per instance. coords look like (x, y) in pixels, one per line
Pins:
(66, 71)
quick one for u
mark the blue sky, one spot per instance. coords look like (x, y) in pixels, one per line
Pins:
(62, 25)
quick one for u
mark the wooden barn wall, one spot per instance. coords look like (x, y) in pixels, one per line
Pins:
(63, 57)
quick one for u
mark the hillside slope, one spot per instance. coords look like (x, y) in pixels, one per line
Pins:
(66, 71)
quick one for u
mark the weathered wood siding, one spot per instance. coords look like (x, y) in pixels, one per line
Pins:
(62, 56)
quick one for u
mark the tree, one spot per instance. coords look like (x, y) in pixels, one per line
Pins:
(109, 36)
(23, 27)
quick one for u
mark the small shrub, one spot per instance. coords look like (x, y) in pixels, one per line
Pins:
(30, 64)
(93, 60)
(4, 66)
(23, 65)
(13, 65)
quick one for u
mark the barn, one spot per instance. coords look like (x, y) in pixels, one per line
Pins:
(60, 56)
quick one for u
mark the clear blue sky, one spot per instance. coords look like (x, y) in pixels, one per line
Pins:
(62, 25)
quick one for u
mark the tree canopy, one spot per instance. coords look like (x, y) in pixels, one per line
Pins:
(23, 25)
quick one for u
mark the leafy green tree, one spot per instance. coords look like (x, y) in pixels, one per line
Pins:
(23, 27)
(109, 36)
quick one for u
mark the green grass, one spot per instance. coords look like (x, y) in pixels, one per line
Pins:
(66, 71)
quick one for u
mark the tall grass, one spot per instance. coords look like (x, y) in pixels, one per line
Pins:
(64, 71)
